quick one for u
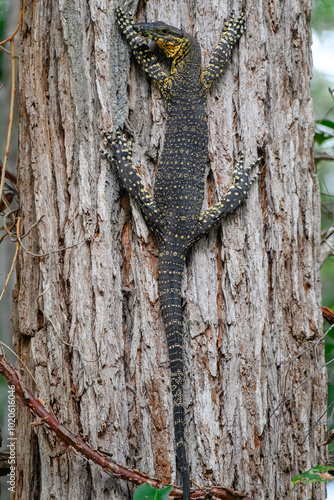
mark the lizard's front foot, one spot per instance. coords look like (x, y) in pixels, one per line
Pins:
(125, 21)
(241, 174)
(122, 149)
(234, 27)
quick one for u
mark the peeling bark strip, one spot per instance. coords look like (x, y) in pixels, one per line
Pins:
(251, 292)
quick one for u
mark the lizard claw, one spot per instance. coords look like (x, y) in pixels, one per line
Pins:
(107, 135)
(252, 165)
(106, 155)
(234, 26)
(131, 17)
(120, 145)
(241, 173)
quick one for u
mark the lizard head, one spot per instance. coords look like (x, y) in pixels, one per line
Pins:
(170, 39)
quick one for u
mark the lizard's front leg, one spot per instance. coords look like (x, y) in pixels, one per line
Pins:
(132, 181)
(233, 29)
(140, 49)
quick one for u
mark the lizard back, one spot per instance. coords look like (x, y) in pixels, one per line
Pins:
(179, 184)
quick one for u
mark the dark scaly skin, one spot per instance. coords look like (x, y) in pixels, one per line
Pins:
(173, 215)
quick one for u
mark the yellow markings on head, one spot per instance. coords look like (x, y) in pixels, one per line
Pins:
(171, 48)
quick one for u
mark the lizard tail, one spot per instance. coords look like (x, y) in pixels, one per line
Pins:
(171, 264)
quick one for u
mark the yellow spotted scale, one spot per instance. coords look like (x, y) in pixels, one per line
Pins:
(174, 213)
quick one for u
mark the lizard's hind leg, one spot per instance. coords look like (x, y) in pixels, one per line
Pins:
(234, 197)
(132, 181)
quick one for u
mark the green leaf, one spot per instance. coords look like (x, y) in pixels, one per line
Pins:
(327, 123)
(147, 492)
(320, 138)
(322, 129)
(317, 474)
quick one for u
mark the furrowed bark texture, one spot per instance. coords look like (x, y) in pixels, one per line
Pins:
(251, 288)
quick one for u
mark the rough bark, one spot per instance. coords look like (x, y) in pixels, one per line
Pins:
(251, 288)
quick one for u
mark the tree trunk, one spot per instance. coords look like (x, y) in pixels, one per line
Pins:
(251, 288)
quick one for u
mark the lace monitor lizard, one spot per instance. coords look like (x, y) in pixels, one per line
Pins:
(174, 213)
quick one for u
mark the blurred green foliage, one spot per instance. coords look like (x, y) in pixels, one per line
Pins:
(318, 474)
(322, 15)
(323, 102)
(324, 143)
(322, 22)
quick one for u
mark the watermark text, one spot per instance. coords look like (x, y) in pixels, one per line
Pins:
(11, 438)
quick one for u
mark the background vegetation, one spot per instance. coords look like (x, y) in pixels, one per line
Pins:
(323, 22)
